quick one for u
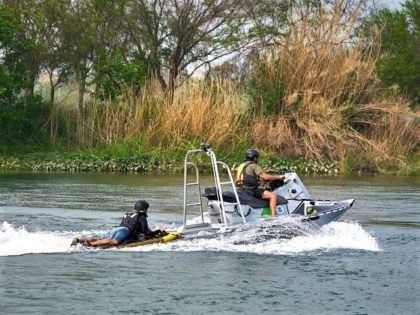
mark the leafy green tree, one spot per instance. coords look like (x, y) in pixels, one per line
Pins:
(20, 117)
(399, 60)
(98, 50)
(116, 66)
(178, 37)
(12, 72)
(116, 75)
(78, 37)
(27, 13)
(55, 58)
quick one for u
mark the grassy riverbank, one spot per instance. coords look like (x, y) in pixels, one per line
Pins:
(152, 161)
(143, 162)
(149, 133)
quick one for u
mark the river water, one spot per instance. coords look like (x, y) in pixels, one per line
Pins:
(368, 263)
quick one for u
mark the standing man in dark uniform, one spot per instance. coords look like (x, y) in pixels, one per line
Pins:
(250, 174)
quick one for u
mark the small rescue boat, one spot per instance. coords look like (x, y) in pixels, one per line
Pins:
(228, 208)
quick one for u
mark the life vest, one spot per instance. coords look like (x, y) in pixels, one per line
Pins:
(136, 222)
(245, 180)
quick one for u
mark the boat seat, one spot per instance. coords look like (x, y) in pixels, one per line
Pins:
(244, 198)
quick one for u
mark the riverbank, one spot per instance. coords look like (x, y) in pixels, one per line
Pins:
(172, 162)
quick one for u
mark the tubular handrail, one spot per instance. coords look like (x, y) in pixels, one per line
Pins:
(186, 184)
(224, 165)
(217, 183)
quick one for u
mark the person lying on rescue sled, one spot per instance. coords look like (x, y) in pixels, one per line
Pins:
(250, 174)
(132, 227)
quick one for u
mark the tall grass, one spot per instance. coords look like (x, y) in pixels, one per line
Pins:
(331, 103)
(386, 132)
(200, 111)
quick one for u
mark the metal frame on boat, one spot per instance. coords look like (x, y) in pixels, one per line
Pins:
(203, 225)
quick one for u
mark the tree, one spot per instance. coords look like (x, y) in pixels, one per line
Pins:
(11, 72)
(78, 35)
(399, 59)
(55, 60)
(116, 66)
(19, 116)
(27, 12)
(115, 75)
(178, 37)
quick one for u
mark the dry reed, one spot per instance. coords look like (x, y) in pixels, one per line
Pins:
(329, 82)
(200, 111)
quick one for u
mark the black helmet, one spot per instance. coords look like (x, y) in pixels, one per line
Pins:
(141, 205)
(251, 155)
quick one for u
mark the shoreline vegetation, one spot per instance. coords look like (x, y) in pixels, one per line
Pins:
(172, 163)
(146, 163)
(326, 88)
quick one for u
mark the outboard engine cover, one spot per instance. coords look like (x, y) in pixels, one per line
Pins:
(293, 188)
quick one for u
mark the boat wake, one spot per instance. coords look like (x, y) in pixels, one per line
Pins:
(276, 237)
(18, 241)
(265, 237)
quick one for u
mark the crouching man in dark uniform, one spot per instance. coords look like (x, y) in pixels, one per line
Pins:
(132, 227)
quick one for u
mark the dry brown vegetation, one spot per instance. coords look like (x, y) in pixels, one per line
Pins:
(332, 105)
(206, 111)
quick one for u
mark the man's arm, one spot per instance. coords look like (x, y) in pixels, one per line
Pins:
(268, 177)
(154, 233)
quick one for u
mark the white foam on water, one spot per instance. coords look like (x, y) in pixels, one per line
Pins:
(333, 236)
(18, 241)
(268, 237)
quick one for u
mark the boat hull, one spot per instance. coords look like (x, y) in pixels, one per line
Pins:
(321, 212)
(327, 212)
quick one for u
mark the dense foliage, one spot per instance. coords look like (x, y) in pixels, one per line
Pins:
(399, 61)
(21, 117)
